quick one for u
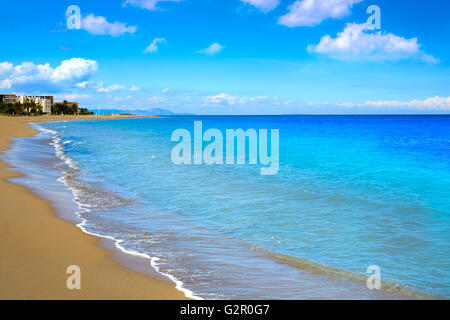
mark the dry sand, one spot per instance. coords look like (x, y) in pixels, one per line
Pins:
(36, 246)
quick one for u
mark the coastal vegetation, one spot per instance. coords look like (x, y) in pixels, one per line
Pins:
(30, 108)
(64, 108)
(85, 111)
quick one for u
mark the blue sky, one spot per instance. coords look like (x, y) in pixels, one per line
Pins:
(231, 56)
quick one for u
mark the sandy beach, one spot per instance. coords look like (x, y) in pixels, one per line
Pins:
(36, 246)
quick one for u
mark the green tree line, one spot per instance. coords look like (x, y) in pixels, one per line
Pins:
(30, 108)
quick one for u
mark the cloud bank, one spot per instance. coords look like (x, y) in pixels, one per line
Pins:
(112, 88)
(225, 99)
(31, 77)
(432, 103)
(308, 13)
(213, 49)
(153, 47)
(263, 5)
(98, 25)
(357, 42)
(146, 4)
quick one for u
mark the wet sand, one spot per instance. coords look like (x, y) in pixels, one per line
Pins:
(36, 247)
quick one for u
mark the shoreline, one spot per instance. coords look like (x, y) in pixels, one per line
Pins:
(34, 266)
(135, 260)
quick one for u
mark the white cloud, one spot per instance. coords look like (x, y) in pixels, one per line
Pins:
(5, 84)
(121, 99)
(153, 47)
(71, 97)
(5, 68)
(263, 5)
(221, 98)
(312, 12)
(213, 49)
(29, 76)
(146, 4)
(75, 68)
(165, 90)
(100, 26)
(82, 85)
(428, 58)
(134, 88)
(357, 42)
(112, 88)
(432, 103)
(100, 87)
(227, 99)
(89, 85)
(156, 99)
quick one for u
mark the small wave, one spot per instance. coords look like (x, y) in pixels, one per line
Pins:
(89, 196)
(82, 196)
(56, 142)
(312, 267)
(117, 243)
(44, 130)
(153, 260)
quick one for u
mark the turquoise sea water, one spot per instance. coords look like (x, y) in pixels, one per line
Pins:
(351, 192)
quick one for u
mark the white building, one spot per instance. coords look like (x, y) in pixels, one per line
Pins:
(46, 105)
(45, 102)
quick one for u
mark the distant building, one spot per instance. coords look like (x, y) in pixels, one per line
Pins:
(8, 98)
(46, 102)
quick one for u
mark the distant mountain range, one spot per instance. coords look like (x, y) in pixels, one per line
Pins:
(146, 112)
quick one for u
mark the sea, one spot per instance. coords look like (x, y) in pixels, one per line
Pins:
(355, 199)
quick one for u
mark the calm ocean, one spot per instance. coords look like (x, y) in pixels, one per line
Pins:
(351, 192)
